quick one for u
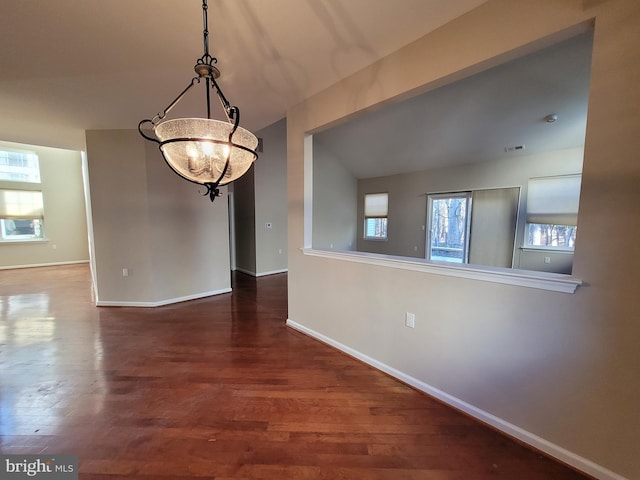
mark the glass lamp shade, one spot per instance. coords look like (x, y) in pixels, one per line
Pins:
(197, 149)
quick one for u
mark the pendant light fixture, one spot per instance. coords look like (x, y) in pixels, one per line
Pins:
(203, 150)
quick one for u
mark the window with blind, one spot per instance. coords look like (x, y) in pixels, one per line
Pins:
(552, 212)
(376, 207)
(21, 206)
(21, 215)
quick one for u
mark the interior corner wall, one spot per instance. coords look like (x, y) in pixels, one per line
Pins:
(65, 222)
(188, 233)
(245, 222)
(558, 371)
(153, 224)
(117, 179)
(335, 205)
(260, 207)
(270, 171)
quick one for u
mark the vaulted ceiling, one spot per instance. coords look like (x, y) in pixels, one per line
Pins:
(71, 65)
(497, 113)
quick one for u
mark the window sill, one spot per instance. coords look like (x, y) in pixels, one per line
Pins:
(547, 249)
(524, 278)
(22, 242)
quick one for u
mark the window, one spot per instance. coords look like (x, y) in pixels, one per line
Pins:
(449, 223)
(21, 215)
(21, 229)
(376, 207)
(21, 207)
(552, 212)
(550, 236)
(19, 167)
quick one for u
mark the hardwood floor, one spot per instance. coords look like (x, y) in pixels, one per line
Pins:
(219, 388)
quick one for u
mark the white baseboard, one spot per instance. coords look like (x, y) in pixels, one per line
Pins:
(34, 265)
(248, 272)
(272, 272)
(580, 463)
(262, 274)
(161, 303)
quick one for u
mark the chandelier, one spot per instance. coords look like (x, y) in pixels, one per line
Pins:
(203, 150)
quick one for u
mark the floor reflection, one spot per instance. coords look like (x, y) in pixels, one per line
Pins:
(26, 319)
(50, 354)
(217, 388)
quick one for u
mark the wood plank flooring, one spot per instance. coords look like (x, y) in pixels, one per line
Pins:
(219, 388)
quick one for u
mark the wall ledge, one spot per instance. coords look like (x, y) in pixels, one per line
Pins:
(563, 455)
(523, 278)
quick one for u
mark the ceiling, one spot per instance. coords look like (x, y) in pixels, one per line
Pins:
(71, 65)
(474, 119)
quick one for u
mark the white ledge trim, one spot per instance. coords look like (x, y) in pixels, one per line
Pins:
(522, 278)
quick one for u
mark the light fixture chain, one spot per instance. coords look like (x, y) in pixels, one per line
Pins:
(205, 33)
(195, 148)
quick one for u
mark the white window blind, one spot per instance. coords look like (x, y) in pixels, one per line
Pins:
(553, 200)
(376, 204)
(21, 204)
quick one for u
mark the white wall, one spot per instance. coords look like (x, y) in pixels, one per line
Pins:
(556, 370)
(64, 210)
(172, 240)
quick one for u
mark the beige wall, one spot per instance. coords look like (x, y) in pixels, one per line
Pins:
(245, 222)
(335, 203)
(271, 200)
(261, 198)
(559, 371)
(408, 203)
(64, 210)
(172, 240)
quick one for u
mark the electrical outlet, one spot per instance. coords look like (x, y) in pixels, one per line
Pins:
(410, 320)
(125, 272)
(547, 259)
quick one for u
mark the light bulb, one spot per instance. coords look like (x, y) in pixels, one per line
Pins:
(207, 148)
(194, 162)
